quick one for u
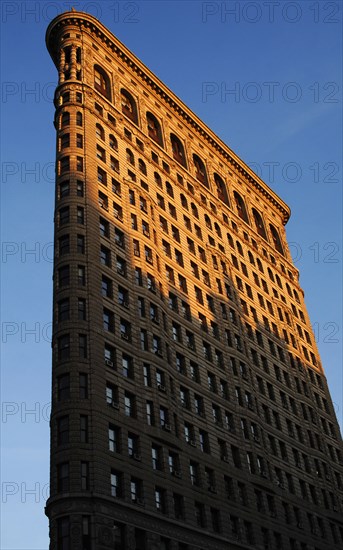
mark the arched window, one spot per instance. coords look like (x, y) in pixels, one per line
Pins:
(128, 106)
(169, 189)
(113, 142)
(102, 82)
(296, 296)
(67, 54)
(178, 150)
(184, 201)
(240, 205)
(278, 280)
(221, 189)
(65, 98)
(194, 210)
(158, 179)
(200, 170)
(259, 224)
(129, 157)
(259, 265)
(230, 240)
(270, 273)
(251, 258)
(289, 291)
(208, 222)
(154, 128)
(276, 239)
(67, 60)
(142, 167)
(65, 119)
(217, 229)
(100, 132)
(239, 248)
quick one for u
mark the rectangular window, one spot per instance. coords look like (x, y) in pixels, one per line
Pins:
(123, 296)
(84, 474)
(133, 446)
(151, 283)
(79, 188)
(156, 453)
(105, 256)
(127, 366)
(200, 514)
(63, 310)
(80, 244)
(64, 245)
(108, 320)
(80, 214)
(180, 363)
(170, 275)
(204, 441)
(83, 385)
(122, 268)
(103, 200)
(102, 176)
(83, 428)
(160, 500)
(150, 413)
(63, 387)
(64, 215)
(113, 438)
(175, 233)
(63, 533)
(109, 353)
(119, 238)
(125, 330)
(112, 395)
(115, 484)
(63, 430)
(129, 404)
(64, 165)
(64, 189)
(106, 287)
(194, 473)
(79, 141)
(117, 211)
(82, 346)
(79, 164)
(182, 283)
(63, 347)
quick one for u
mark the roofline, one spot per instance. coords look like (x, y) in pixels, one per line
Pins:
(86, 20)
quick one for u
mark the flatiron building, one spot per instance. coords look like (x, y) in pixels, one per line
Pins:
(190, 409)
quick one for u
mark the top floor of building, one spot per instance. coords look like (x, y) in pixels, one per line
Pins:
(87, 54)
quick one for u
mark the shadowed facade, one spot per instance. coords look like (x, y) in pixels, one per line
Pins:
(190, 409)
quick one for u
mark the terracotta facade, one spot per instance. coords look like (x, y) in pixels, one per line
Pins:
(190, 408)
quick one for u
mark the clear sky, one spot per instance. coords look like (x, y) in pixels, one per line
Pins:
(266, 77)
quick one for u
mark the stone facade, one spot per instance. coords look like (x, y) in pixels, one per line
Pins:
(190, 408)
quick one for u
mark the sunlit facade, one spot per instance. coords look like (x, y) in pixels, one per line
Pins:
(190, 410)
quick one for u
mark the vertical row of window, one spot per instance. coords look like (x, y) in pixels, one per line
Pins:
(71, 62)
(65, 163)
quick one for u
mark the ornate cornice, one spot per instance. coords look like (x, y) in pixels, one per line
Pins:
(93, 26)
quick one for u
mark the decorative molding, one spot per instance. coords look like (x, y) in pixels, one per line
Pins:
(95, 27)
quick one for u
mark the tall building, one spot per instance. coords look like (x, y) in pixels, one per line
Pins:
(190, 409)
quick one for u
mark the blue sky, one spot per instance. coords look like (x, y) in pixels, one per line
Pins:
(266, 77)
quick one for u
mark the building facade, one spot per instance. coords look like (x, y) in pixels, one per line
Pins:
(190, 409)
